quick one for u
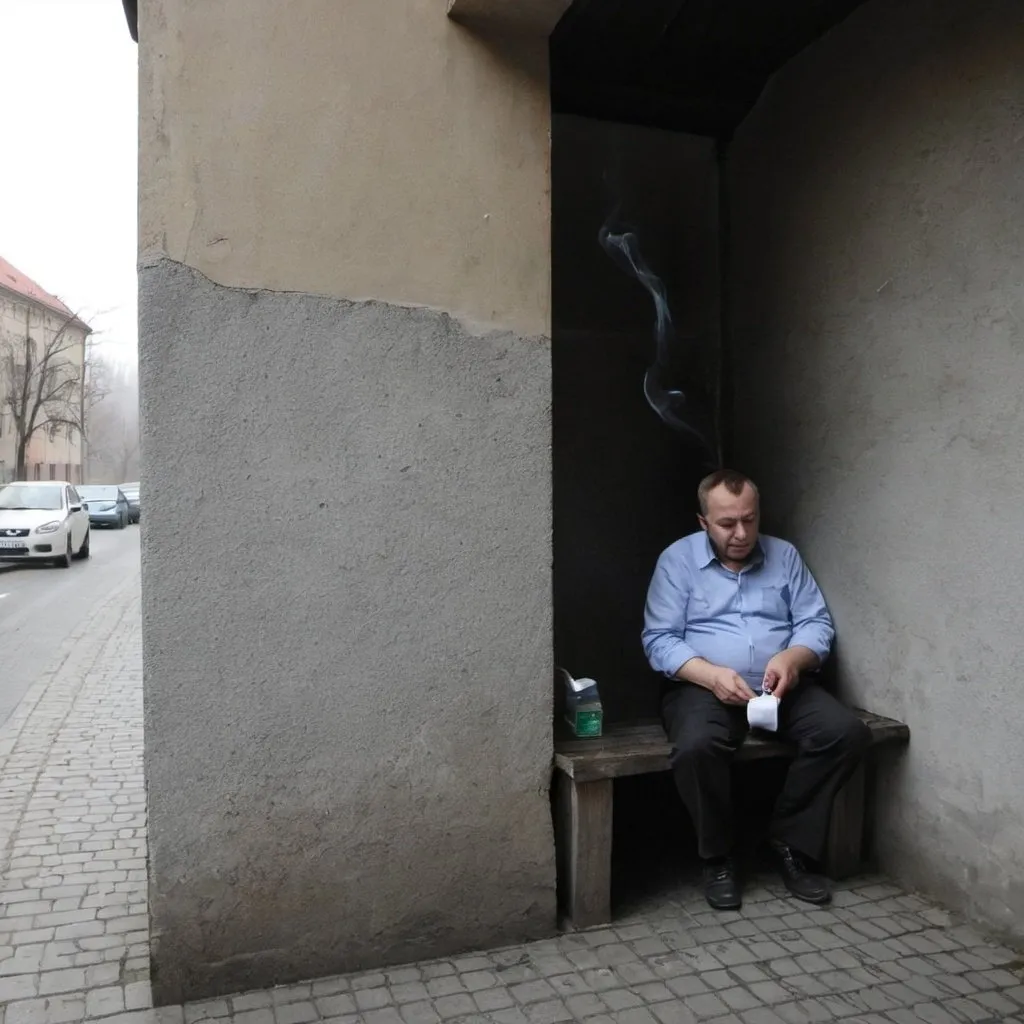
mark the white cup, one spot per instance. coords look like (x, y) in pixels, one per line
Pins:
(763, 712)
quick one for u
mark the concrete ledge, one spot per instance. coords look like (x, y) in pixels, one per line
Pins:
(526, 17)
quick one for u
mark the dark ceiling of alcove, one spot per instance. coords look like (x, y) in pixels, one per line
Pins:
(131, 12)
(686, 65)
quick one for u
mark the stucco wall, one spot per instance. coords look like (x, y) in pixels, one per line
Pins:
(877, 203)
(345, 386)
(365, 149)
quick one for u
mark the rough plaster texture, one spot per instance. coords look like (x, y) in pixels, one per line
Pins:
(347, 634)
(364, 150)
(877, 201)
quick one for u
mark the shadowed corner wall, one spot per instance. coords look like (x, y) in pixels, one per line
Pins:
(345, 375)
(877, 205)
(625, 484)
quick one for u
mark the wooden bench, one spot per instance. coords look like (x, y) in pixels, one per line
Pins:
(585, 770)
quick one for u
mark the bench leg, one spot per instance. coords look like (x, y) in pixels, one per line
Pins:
(584, 836)
(846, 830)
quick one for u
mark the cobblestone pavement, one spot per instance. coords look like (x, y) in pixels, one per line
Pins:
(74, 944)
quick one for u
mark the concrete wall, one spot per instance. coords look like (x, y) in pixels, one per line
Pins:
(877, 203)
(346, 566)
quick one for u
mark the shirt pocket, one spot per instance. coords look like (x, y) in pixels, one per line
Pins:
(773, 603)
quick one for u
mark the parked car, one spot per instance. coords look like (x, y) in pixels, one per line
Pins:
(131, 492)
(43, 522)
(107, 505)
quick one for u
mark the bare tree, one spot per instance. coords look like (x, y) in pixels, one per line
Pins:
(113, 426)
(96, 379)
(128, 452)
(96, 385)
(43, 385)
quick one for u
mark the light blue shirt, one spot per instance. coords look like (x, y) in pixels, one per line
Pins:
(697, 608)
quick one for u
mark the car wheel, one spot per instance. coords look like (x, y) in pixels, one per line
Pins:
(64, 562)
(83, 551)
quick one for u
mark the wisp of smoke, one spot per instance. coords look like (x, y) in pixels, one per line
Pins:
(670, 403)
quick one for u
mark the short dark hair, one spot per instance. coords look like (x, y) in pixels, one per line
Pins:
(732, 481)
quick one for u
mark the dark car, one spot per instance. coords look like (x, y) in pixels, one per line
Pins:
(107, 505)
(131, 492)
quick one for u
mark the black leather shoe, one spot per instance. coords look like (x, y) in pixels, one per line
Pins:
(722, 885)
(799, 880)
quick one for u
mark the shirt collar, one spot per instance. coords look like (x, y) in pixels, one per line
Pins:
(708, 555)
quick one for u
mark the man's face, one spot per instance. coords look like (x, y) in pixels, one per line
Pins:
(732, 522)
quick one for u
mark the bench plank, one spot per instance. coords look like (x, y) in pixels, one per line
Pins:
(640, 749)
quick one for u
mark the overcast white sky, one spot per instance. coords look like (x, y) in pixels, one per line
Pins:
(68, 158)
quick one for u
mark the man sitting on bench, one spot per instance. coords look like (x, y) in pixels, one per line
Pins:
(731, 614)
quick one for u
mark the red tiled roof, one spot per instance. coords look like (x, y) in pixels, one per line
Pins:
(14, 280)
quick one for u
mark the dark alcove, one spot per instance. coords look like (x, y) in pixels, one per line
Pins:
(645, 97)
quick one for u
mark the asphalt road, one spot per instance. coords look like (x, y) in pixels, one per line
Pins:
(41, 605)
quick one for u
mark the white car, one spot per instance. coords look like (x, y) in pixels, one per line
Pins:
(43, 521)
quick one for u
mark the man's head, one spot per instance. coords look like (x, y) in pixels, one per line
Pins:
(730, 513)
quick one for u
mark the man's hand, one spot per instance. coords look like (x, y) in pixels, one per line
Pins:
(725, 684)
(729, 687)
(780, 676)
(782, 673)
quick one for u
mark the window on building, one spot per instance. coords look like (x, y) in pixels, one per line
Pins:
(53, 470)
(37, 471)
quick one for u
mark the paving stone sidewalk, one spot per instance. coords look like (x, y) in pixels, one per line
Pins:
(74, 941)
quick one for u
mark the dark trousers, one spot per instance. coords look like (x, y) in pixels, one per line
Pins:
(705, 734)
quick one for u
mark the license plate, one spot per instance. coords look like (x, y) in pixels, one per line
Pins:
(12, 543)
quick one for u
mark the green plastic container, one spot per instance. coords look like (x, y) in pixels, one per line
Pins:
(583, 709)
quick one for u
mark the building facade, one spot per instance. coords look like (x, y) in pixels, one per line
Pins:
(54, 452)
(346, 255)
